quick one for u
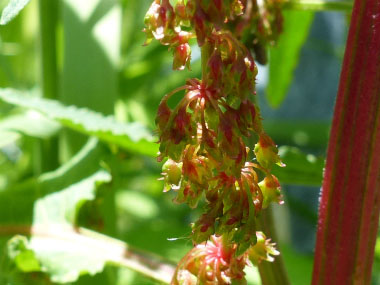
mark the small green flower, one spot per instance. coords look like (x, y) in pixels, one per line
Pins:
(262, 250)
(270, 187)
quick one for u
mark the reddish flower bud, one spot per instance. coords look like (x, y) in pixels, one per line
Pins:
(199, 26)
(180, 10)
(181, 57)
(163, 115)
(266, 152)
(215, 65)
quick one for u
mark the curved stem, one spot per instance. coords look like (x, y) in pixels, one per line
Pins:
(170, 94)
(121, 254)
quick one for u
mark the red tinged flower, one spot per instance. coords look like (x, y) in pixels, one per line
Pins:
(163, 115)
(266, 152)
(159, 22)
(180, 10)
(270, 188)
(215, 64)
(182, 56)
(181, 126)
(211, 262)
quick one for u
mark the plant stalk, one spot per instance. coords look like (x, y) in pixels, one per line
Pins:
(47, 150)
(271, 273)
(350, 201)
(146, 263)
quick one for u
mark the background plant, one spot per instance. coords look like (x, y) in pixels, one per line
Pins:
(92, 71)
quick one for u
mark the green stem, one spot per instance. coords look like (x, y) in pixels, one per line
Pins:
(318, 5)
(48, 22)
(271, 273)
(145, 263)
(47, 150)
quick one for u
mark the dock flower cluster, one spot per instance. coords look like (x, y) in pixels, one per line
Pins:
(203, 139)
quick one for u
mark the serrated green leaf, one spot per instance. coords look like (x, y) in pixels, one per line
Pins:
(132, 136)
(12, 10)
(301, 168)
(283, 58)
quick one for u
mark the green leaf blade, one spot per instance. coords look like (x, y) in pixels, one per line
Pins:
(283, 58)
(301, 168)
(60, 208)
(62, 252)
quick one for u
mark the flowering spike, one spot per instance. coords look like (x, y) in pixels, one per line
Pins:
(204, 136)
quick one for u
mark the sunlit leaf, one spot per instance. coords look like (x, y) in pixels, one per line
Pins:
(283, 58)
(12, 10)
(62, 258)
(132, 136)
(61, 207)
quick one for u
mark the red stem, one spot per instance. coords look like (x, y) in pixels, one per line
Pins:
(350, 202)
